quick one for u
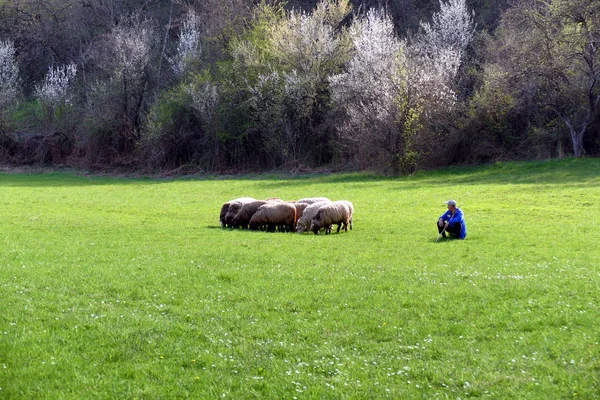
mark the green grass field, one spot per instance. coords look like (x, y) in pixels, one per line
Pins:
(122, 288)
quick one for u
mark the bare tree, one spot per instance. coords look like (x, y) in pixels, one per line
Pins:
(553, 47)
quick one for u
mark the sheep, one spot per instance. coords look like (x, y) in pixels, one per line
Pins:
(303, 223)
(242, 218)
(234, 208)
(351, 207)
(225, 208)
(312, 200)
(273, 215)
(300, 207)
(337, 212)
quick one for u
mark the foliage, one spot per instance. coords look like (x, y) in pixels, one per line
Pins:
(452, 28)
(393, 91)
(181, 127)
(375, 96)
(286, 85)
(550, 49)
(119, 99)
(284, 62)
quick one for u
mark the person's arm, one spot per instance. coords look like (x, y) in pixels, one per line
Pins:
(457, 217)
(446, 216)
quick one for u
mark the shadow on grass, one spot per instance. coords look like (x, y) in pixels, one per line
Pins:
(582, 172)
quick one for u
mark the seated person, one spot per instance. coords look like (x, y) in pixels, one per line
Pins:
(452, 222)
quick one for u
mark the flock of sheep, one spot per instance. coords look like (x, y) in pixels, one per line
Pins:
(304, 215)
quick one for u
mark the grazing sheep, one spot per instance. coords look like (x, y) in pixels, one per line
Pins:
(351, 207)
(272, 215)
(313, 200)
(337, 212)
(225, 208)
(234, 208)
(242, 218)
(303, 223)
(300, 207)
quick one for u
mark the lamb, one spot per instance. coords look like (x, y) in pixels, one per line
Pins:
(337, 212)
(234, 208)
(304, 221)
(313, 200)
(272, 215)
(225, 208)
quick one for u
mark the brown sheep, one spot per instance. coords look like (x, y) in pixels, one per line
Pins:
(234, 208)
(272, 215)
(337, 212)
(300, 207)
(303, 223)
(242, 218)
(225, 208)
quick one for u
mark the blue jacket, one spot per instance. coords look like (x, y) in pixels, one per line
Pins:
(458, 217)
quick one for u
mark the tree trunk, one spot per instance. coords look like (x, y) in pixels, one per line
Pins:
(576, 136)
(164, 46)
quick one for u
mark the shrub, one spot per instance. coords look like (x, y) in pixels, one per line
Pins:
(181, 125)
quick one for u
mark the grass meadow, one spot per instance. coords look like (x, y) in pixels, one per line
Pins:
(128, 288)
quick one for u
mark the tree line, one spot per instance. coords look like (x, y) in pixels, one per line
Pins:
(247, 85)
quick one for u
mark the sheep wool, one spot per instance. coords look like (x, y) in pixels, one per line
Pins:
(234, 208)
(313, 200)
(271, 216)
(337, 212)
(300, 207)
(242, 218)
(351, 207)
(225, 208)
(303, 224)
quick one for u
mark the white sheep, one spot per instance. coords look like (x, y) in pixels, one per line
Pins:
(274, 215)
(304, 221)
(313, 200)
(337, 212)
(351, 206)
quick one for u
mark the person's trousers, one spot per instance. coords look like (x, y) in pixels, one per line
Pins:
(453, 230)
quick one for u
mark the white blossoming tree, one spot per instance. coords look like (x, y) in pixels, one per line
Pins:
(438, 53)
(376, 98)
(287, 61)
(126, 60)
(54, 90)
(390, 88)
(9, 74)
(189, 47)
